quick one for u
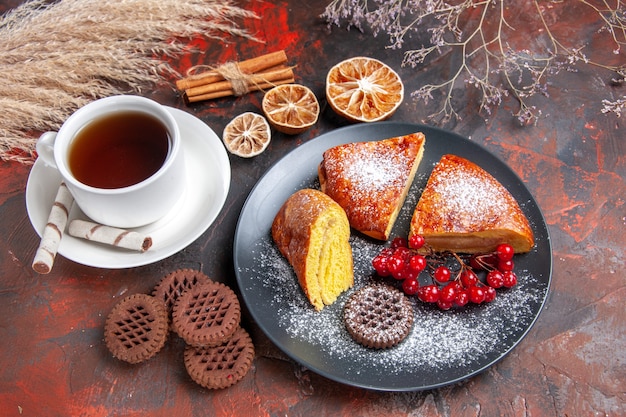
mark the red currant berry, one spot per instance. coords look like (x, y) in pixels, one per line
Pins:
(476, 294)
(395, 265)
(416, 241)
(462, 298)
(505, 265)
(417, 263)
(444, 305)
(402, 274)
(410, 286)
(380, 265)
(399, 242)
(448, 293)
(510, 279)
(495, 279)
(402, 252)
(468, 278)
(408, 273)
(442, 274)
(505, 252)
(428, 293)
(490, 294)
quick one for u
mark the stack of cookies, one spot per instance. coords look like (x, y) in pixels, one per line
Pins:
(204, 313)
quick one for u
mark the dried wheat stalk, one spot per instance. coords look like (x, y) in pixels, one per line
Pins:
(57, 57)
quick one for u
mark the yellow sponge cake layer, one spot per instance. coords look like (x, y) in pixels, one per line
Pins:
(312, 231)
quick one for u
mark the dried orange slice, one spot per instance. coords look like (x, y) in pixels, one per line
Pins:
(291, 108)
(364, 89)
(247, 135)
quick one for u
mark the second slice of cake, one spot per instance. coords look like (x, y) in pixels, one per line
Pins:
(370, 180)
(465, 209)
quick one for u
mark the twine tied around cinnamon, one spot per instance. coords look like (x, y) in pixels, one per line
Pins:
(231, 72)
(240, 81)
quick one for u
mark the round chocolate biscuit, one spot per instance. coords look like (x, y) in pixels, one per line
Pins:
(220, 366)
(206, 315)
(136, 328)
(175, 283)
(378, 316)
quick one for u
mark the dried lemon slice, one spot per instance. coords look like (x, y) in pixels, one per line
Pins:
(291, 108)
(247, 135)
(364, 89)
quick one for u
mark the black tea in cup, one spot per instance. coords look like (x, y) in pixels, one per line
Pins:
(118, 150)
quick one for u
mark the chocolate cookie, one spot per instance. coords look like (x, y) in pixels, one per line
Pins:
(175, 283)
(378, 316)
(206, 315)
(137, 328)
(220, 366)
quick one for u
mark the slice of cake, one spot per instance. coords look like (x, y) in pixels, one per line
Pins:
(464, 209)
(370, 180)
(312, 231)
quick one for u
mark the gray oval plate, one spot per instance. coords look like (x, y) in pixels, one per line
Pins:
(443, 347)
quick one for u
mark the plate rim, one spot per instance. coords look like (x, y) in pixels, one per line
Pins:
(409, 125)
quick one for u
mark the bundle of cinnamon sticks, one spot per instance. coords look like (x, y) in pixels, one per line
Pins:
(237, 78)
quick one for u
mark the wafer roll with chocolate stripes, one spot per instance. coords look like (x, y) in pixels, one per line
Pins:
(108, 235)
(53, 231)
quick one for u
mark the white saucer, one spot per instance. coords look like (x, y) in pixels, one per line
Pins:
(208, 181)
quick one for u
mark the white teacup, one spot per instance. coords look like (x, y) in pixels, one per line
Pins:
(137, 202)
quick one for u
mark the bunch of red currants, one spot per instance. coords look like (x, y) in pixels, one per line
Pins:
(453, 279)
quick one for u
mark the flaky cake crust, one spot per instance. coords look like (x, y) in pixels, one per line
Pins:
(370, 180)
(464, 209)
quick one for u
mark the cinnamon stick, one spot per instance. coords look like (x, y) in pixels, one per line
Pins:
(230, 92)
(252, 80)
(249, 66)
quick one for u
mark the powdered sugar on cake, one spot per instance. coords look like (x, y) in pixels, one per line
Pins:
(367, 188)
(366, 175)
(370, 179)
(467, 199)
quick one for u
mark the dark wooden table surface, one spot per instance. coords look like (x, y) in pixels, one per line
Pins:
(53, 361)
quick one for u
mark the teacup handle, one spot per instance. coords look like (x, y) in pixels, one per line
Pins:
(45, 148)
